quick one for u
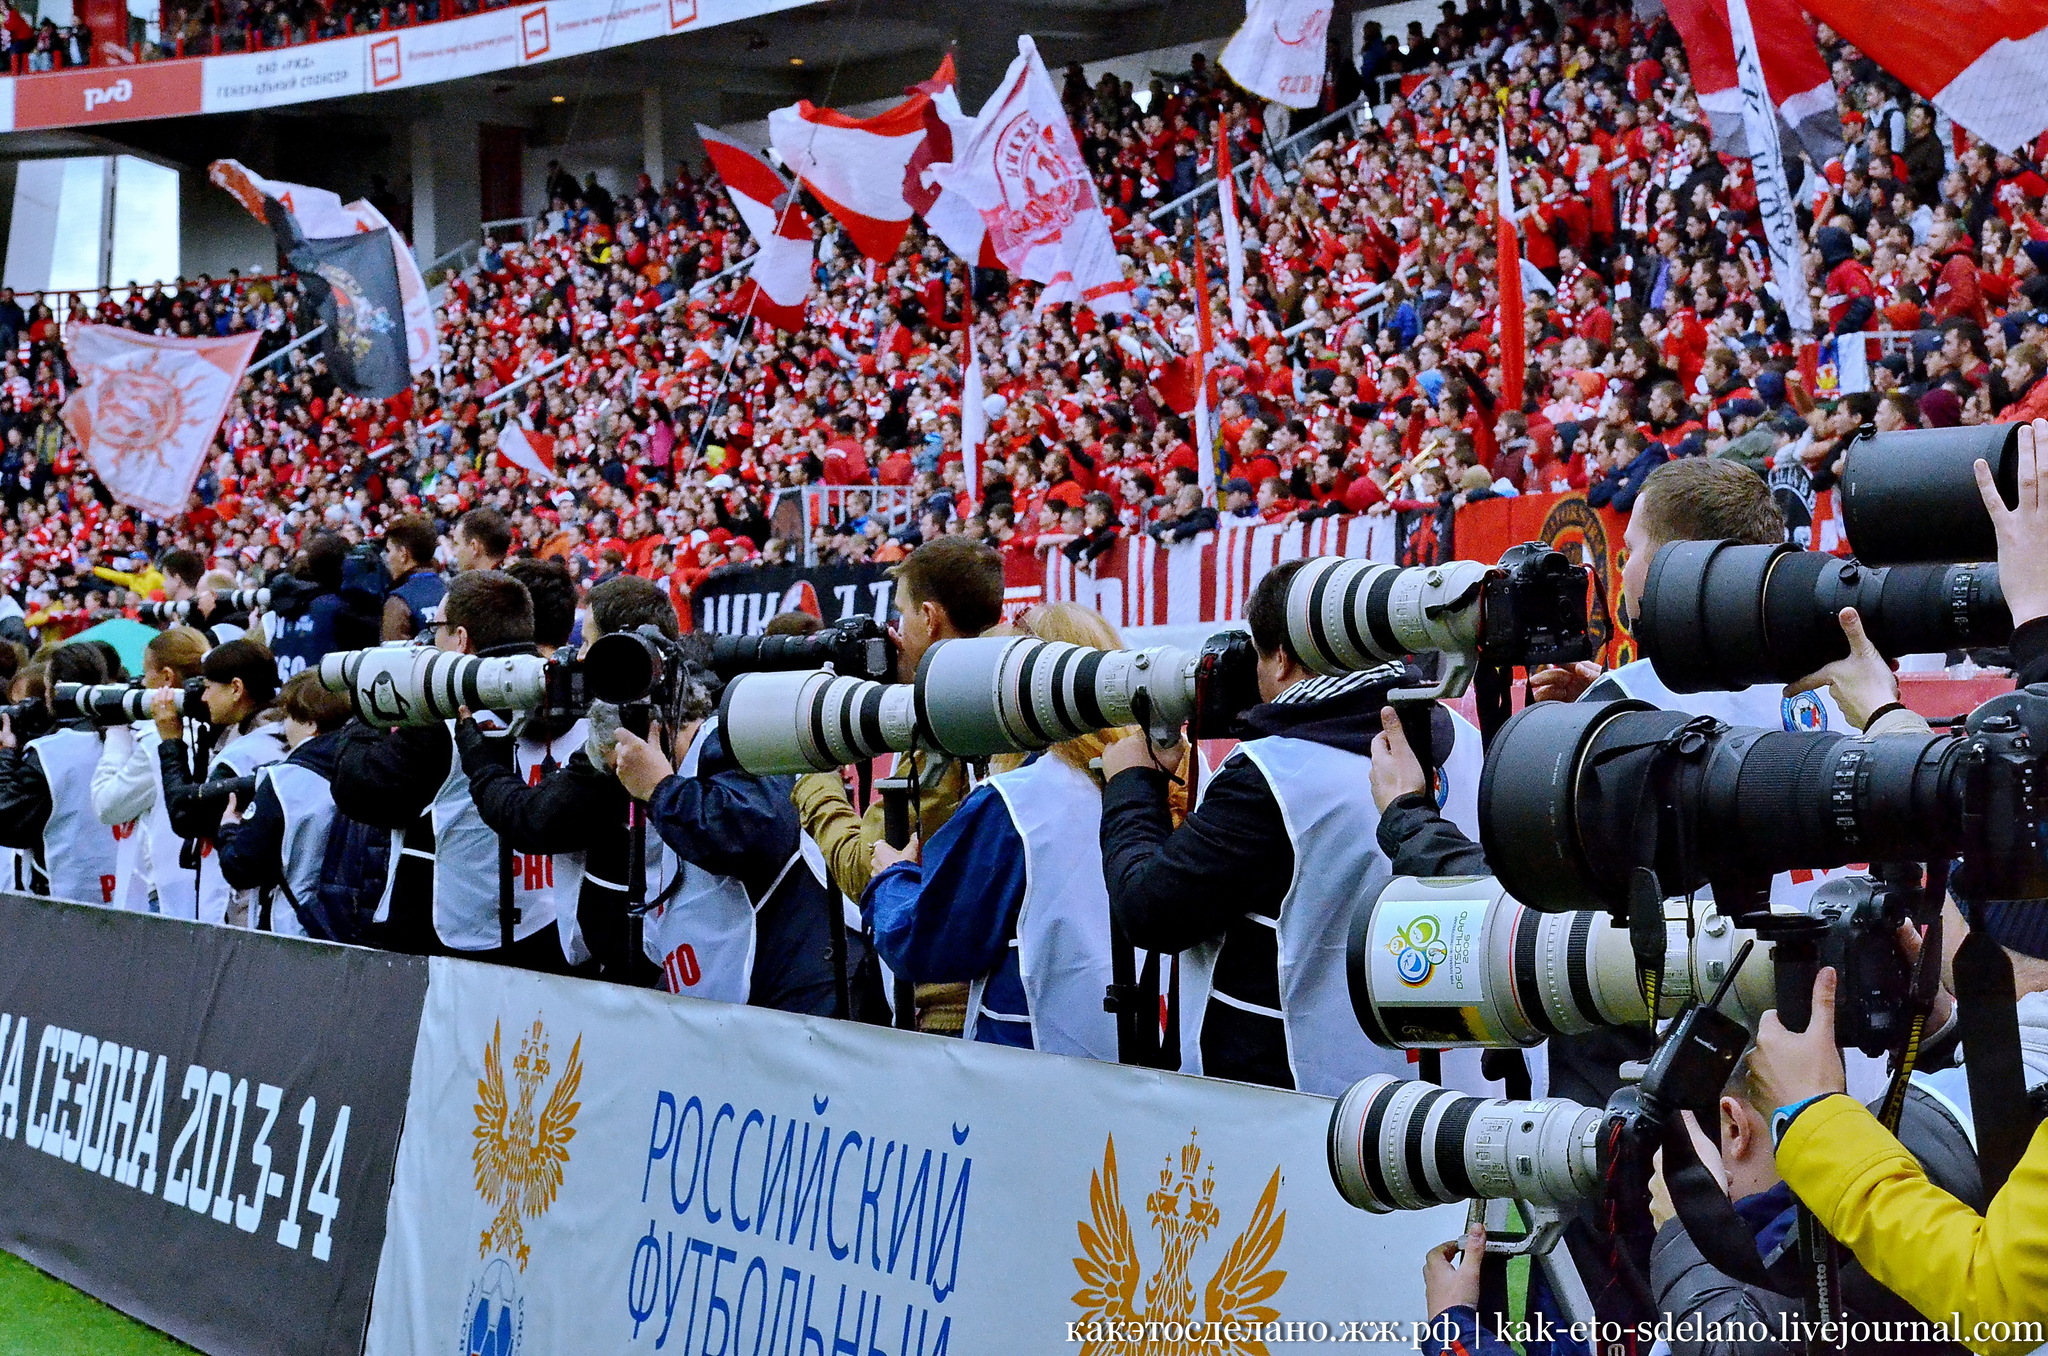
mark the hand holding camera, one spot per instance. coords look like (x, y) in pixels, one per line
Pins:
(2022, 530)
(1795, 1066)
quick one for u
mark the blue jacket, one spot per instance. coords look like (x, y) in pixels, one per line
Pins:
(951, 919)
(1619, 491)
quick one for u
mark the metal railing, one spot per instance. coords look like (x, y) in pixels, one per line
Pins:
(829, 506)
(504, 393)
(1296, 145)
(1373, 306)
(308, 337)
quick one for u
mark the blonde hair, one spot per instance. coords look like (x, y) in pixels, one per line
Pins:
(180, 649)
(1077, 625)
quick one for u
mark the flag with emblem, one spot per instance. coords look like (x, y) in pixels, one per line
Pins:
(352, 282)
(1279, 52)
(296, 212)
(1023, 171)
(147, 406)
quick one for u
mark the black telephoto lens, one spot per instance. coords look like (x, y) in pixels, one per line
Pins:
(1720, 616)
(1911, 497)
(1570, 799)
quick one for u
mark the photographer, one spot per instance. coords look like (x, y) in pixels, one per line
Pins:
(300, 627)
(282, 843)
(753, 909)
(999, 898)
(416, 587)
(242, 735)
(125, 784)
(46, 792)
(454, 890)
(945, 590)
(1862, 1184)
(577, 807)
(1259, 883)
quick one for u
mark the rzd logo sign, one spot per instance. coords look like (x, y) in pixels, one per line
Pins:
(120, 92)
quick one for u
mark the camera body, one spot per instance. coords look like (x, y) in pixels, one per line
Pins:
(29, 718)
(1533, 609)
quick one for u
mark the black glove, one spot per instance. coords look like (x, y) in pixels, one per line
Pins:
(480, 749)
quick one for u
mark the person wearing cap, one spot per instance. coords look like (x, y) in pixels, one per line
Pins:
(1238, 505)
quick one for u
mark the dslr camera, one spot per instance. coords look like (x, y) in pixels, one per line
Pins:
(106, 704)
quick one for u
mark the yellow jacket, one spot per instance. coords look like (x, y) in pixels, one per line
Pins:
(144, 582)
(1921, 1243)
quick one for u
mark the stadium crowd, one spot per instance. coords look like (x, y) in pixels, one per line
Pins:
(1365, 377)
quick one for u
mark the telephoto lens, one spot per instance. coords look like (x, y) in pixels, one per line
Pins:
(1344, 615)
(1911, 498)
(1563, 797)
(407, 685)
(1401, 1145)
(855, 647)
(782, 723)
(118, 703)
(1457, 961)
(1719, 616)
(1002, 694)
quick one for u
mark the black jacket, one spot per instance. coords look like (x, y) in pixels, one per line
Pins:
(1686, 1285)
(2029, 647)
(25, 799)
(194, 815)
(1228, 862)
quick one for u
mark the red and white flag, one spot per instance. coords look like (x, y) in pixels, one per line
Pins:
(533, 453)
(1508, 249)
(147, 407)
(859, 168)
(1205, 359)
(1794, 72)
(1281, 50)
(951, 217)
(1233, 235)
(321, 215)
(1023, 171)
(1982, 62)
(779, 283)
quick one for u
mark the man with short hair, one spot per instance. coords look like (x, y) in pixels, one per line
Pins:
(416, 587)
(482, 540)
(455, 889)
(946, 589)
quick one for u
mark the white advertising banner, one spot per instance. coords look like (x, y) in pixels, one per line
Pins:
(597, 1169)
(288, 75)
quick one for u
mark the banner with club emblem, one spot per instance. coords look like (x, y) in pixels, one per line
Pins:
(596, 1169)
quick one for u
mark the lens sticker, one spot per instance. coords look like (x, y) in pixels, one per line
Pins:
(1427, 953)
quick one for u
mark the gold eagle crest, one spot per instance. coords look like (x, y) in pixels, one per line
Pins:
(1183, 1214)
(519, 1155)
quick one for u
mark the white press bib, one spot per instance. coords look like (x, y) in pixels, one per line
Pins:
(1062, 937)
(177, 887)
(307, 801)
(468, 872)
(241, 757)
(1325, 798)
(550, 885)
(81, 856)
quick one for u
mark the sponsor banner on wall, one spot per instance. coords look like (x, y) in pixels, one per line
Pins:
(291, 75)
(596, 1169)
(198, 1124)
(739, 601)
(423, 54)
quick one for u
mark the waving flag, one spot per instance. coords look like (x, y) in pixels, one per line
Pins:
(1797, 77)
(533, 453)
(1205, 359)
(1023, 171)
(868, 172)
(779, 282)
(1280, 51)
(951, 217)
(352, 280)
(973, 408)
(1233, 236)
(147, 407)
(296, 212)
(1773, 195)
(1984, 64)
(1507, 247)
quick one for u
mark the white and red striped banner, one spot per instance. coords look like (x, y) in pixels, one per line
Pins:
(1210, 579)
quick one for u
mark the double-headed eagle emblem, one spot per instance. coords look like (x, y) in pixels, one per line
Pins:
(1183, 1214)
(519, 1155)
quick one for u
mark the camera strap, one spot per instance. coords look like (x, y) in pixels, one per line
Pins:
(1725, 1241)
(1919, 1004)
(1986, 1008)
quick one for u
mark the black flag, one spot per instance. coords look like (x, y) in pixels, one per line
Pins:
(353, 282)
